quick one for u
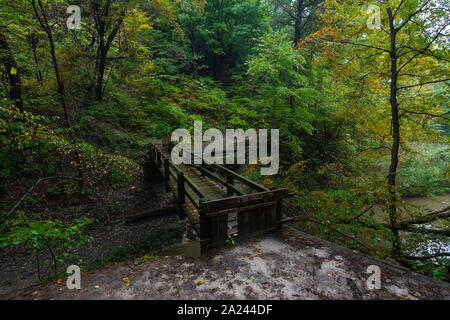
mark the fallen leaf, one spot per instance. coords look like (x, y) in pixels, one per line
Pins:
(59, 281)
(200, 282)
(126, 280)
(417, 294)
(228, 272)
(96, 286)
(326, 260)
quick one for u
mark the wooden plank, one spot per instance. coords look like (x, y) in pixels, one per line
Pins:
(243, 223)
(152, 213)
(239, 209)
(230, 187)
(240, 201)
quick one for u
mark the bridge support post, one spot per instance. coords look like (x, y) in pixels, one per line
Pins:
(166, 174)
(230, 191)
(181, 194)
(158, 160)
(278, 214)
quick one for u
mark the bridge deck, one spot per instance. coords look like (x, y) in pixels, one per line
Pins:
(218, 202)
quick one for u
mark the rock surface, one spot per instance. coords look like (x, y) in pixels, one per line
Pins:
(285, 265)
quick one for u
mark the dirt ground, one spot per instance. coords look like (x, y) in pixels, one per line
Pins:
(111, 207)
(285, 265)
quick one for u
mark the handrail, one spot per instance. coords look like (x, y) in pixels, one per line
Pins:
(188, 181)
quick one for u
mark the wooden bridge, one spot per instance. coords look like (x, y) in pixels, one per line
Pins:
(219, 203)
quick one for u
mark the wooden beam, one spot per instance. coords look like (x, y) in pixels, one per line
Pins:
(153, 213)
(244, 200)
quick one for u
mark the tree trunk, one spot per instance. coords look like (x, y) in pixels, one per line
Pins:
(33, 41)
(101, 13)
(42, 18)
(15, 83)
(298, 22)
(392, 193)
(43, 21)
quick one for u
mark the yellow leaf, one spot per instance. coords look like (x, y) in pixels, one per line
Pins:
(326, 260)
(200, 282)
(126, 280)
(13, 71)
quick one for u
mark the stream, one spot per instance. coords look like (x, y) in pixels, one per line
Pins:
(434, 244)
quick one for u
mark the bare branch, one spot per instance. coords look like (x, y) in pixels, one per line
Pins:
(31, 189)
(427, 114)
(423, 83)
(412, 15)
